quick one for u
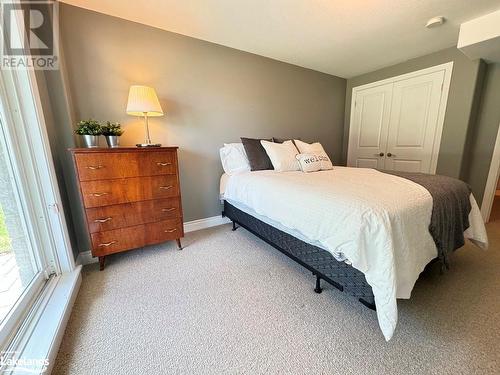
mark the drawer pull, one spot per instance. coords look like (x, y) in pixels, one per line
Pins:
(98, 194)
(170, 230)
(107, 244)
(166, 187)
(163, 164)
(168, 209)
(94, 167)
(102, 220)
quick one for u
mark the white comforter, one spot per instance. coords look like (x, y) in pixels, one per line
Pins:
(377, 221)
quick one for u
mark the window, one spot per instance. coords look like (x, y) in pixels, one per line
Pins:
(41, 279)
(24, 260)
(34, 242)
(18, 264)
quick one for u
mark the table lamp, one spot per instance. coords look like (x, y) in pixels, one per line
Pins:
(142, 101)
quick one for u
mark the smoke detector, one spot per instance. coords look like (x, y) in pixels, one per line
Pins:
(435, 22)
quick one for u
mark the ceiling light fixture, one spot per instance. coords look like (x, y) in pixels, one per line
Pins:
(434, 22)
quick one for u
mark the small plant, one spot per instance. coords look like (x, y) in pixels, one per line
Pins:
(88, 127)
(112, 129)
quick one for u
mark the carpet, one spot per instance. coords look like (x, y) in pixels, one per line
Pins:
(230, 303)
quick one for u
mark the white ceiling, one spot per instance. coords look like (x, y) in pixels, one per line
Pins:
(341, 37)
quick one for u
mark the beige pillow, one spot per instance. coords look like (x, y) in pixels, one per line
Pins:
(317, 150)
(282, 155)
(309, 162)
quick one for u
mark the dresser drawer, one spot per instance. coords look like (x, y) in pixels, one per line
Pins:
(129, 214)
(109, 192)
(113, 241)
(109, 165)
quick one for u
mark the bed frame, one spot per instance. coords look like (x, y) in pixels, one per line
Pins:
(320, 262)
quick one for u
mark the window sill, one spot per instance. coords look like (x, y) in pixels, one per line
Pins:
(38, 341)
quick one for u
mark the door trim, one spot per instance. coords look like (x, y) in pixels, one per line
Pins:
(491, 182)
(447, 68)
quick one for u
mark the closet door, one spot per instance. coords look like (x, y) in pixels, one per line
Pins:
(369, 125)
(413, 123)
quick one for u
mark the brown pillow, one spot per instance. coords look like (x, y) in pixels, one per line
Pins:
(257, 155)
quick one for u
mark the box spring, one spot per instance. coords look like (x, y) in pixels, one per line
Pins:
(320, 262)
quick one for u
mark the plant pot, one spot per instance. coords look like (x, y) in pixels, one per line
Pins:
(112, 140)
(91, 141)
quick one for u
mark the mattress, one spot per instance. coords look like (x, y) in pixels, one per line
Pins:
(277, 225)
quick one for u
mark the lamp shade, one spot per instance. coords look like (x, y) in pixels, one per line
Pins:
(142, 100)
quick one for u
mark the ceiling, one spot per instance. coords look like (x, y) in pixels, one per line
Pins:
(340, 37)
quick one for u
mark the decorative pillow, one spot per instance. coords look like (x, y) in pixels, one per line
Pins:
(309, 162)
(234, 159)
(315, 149)
(282, 155)
(256, 154)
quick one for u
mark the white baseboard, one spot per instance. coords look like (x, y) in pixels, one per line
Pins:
(207, 222)
(86, 257)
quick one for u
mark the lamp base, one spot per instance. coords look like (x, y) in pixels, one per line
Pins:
(148, 145)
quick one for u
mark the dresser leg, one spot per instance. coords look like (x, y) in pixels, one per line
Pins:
(179, 246)
(101, 263)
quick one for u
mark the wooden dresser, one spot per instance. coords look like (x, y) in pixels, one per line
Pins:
(131, 197)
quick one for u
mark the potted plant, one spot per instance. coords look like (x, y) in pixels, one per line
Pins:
(90, 130)
(112, 130)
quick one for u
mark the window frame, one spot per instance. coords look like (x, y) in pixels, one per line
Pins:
(26, 141)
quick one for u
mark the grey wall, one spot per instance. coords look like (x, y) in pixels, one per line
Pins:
(57, 110)
(48, 82)
(483, 134)
(211, 94)
(460, 111)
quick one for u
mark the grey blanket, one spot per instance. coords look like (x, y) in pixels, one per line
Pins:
(450, 210)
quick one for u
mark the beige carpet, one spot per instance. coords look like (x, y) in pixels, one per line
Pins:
(229, 303)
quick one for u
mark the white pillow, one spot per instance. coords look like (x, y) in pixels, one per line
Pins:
(315, 149)
(282, 155)
(234, 158)
(309, 162)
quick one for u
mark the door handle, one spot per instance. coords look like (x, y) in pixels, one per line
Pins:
(381, 154)
(99, 194)
(95, 167)
(102, 220)
(107, 244)
(168, 209)
(389, 154)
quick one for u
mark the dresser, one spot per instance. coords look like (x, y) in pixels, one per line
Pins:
(131, 197)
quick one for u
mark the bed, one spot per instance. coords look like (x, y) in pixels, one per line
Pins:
(366, 232)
